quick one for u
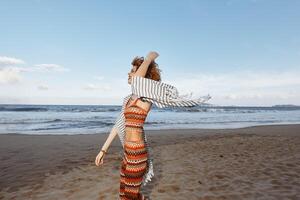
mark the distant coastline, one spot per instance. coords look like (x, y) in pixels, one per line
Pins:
(87, 119)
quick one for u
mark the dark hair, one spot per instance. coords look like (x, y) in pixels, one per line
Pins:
(153, 71)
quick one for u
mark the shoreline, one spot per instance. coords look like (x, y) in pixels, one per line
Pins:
(193, 163)
(158, 130)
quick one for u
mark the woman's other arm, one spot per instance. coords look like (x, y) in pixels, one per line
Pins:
(142, 70)
(110, 138)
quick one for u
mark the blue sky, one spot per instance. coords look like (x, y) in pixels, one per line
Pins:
(79, 52)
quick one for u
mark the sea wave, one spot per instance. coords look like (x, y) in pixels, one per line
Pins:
(23, 109)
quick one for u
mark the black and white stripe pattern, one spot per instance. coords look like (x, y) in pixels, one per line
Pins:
(162, 95)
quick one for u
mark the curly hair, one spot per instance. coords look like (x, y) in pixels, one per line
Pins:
(153, 71)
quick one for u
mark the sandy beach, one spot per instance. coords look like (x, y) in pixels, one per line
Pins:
(261, 162)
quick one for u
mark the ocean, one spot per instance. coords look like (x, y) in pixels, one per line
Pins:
(86, 119)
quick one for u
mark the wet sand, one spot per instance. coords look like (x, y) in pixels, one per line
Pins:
(261, 162)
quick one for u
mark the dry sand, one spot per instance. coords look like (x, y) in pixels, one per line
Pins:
(260, 162)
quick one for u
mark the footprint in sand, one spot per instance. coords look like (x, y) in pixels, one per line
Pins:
(169, 188)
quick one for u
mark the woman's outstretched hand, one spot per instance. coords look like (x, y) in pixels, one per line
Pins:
(99, 159)
(152, 55)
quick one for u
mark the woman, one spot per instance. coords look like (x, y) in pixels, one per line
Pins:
(134, 164)
(137, 164)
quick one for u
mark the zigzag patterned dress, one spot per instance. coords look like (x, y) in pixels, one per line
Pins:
(161, 95)
(134, 164)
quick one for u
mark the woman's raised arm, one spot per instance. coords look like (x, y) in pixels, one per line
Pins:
(142, 70)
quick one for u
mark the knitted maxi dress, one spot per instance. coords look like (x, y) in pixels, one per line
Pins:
(134, 164)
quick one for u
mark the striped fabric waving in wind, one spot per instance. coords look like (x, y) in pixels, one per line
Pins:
(162, 95)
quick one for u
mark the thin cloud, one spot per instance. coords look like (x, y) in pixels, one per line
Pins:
(43, 87)
(50, 67)
(9, 61)
(91, 86)
(13, 74)
(9, 72)
(10, 75)
(242, 86)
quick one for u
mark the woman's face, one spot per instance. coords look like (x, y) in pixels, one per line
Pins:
(132, 71)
